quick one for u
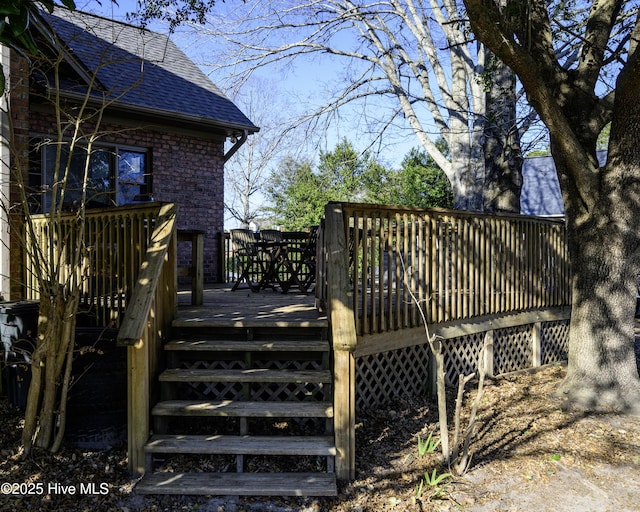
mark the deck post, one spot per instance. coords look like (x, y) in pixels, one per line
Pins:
(138, 405)
(148, 314)
(196, 270)
(536, 344)
(343, 337)
(489, 360)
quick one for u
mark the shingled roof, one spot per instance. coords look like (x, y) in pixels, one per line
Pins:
(541, 194)
(144, 70)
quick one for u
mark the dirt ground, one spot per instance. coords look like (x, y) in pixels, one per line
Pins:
(529, 455)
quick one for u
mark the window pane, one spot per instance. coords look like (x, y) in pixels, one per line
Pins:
(99, 184)
(125, 184)
(98, 179)
(131, 176)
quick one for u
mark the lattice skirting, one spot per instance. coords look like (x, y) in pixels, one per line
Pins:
(405, 372)
(382, 377)
(254, 391)
(555, 341)
(512, 349)
(461, 356)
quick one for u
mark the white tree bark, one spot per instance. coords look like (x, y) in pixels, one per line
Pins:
(417, 53)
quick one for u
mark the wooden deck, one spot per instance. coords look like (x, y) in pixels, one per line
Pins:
(245, 308)
(482, 276)
(514, 267)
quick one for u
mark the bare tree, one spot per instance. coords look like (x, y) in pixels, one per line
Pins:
(59, 254)
(576, 94)
(248, 170)
(59, 288)
(416, 54)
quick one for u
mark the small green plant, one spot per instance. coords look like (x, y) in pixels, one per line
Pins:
(436, 485)
(428, 445)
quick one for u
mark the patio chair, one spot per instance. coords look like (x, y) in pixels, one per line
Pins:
(305, 271)
(309, 256)
(271, 235)
(275, 250)
(247, 258)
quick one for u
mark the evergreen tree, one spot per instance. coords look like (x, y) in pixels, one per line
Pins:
(420, 182)
(296, 194)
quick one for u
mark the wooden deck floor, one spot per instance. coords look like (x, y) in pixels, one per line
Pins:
(245, 308)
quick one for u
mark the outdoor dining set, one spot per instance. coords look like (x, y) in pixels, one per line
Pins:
(275, 260)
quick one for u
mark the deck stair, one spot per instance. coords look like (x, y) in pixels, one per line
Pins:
(244, 410)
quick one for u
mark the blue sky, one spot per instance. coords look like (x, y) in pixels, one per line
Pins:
(108, 9)
(302, 85)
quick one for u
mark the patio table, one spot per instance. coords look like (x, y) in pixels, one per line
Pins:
(279, 269)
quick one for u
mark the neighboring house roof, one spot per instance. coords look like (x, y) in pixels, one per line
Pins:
(541, 195)
(144, 70)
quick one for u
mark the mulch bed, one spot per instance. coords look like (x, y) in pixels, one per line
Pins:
(525, 442)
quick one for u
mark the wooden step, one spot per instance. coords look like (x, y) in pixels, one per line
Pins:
(248, 346)
(239, 484)
(251, 375)
(245, 445)
(232, 408)
(246, 323)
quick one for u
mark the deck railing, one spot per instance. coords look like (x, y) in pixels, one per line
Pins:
(457, 265)
(115, 241)
(128, 280)
(377, 266)
(295, 241)
(144, 327)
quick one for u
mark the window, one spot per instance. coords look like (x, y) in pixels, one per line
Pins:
(131, 176)
(116, 175)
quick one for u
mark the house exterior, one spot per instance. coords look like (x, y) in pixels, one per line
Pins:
(162, 136)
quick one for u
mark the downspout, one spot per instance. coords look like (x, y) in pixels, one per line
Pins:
(237, 145)
(5, 177)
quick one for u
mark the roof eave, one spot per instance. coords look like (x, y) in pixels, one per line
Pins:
(170, 117)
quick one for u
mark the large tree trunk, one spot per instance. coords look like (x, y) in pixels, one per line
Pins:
(466, 171)
(503, 155)
(604, 241)
(602, 204)
(602, 369)
(466, 195)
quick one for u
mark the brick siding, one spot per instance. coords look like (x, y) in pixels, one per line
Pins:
(19, 109)
(185, 169)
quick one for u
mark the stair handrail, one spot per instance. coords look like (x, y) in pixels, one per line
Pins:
(147, 317)
(135, 318)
